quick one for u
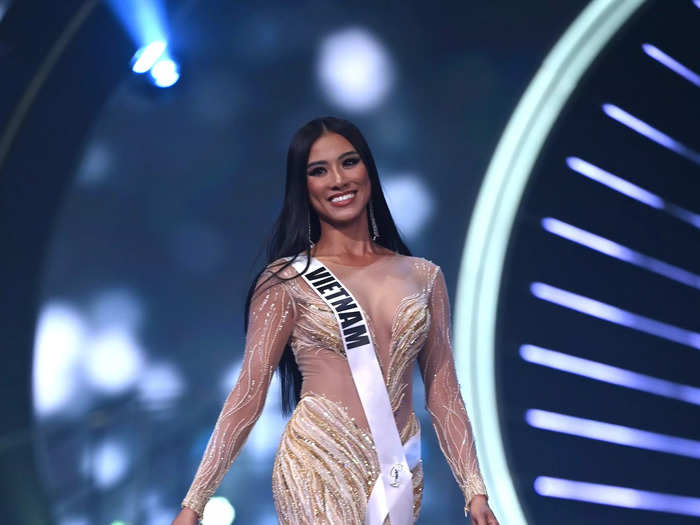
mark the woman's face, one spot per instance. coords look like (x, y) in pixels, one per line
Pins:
(335, 169)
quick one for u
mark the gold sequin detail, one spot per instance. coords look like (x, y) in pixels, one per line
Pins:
(270, 323)
(443, 399)
(326, 465)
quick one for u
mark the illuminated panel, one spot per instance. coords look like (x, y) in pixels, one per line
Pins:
(609, 374)
(616, 315)
(490, 227)
(616, 496)
(611, 433)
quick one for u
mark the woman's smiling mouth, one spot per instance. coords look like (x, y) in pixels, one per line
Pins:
(343, 199)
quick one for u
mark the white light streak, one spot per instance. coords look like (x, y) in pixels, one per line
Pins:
(651, 132)
(612, 433)
(671, 63)
(618, 251)
(616, 183)
(616, 315)
(616, 496)
(609, 374)
(631, 190)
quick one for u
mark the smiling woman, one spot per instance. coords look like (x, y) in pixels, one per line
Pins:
(126, 233)
(346, 337)
(337, 176)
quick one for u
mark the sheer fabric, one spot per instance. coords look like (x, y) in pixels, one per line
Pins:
(270, 324)
(325, 466)
(443, 399)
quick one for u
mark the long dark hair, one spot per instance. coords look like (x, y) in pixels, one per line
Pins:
(290, 233)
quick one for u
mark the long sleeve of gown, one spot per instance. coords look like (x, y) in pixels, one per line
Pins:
(270, 324)
(443, 398)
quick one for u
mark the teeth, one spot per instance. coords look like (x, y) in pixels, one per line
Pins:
(343, 197)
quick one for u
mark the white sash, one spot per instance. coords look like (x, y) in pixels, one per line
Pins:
(393, 491)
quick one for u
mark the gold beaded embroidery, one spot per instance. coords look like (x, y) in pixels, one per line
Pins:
(326, 465)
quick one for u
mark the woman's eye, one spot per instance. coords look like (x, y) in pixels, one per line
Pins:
(315, 171)
(352, 161)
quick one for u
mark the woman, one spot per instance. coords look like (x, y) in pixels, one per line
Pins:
(327, 467)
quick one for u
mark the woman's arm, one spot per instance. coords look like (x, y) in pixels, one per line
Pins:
(443, 398)
(270, 325)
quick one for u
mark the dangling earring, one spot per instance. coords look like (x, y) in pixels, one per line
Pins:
(308, 221)
(373, 222)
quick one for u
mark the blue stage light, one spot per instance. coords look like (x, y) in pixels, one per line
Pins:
(147, 56)
(146, 22)
(165, 73)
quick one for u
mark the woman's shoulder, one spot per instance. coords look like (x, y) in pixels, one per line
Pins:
(281, 267)
(426, 269)
(422, 263)
(276, 272)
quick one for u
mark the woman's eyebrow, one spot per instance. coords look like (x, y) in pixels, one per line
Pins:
(326, 162)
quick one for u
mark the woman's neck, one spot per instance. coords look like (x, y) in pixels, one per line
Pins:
(349, 251)
(349, 240)
(349, 243)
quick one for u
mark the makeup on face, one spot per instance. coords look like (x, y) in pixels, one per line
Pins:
(336, 175)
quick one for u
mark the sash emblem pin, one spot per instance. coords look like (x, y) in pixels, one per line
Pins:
(394, 474)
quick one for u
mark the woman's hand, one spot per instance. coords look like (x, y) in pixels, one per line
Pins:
(480, 512)
(185, 517)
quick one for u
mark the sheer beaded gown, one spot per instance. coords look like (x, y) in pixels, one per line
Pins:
(325, 465)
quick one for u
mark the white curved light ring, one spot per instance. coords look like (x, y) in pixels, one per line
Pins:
(491, 224)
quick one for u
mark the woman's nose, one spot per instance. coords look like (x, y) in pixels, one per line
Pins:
(337, 176)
